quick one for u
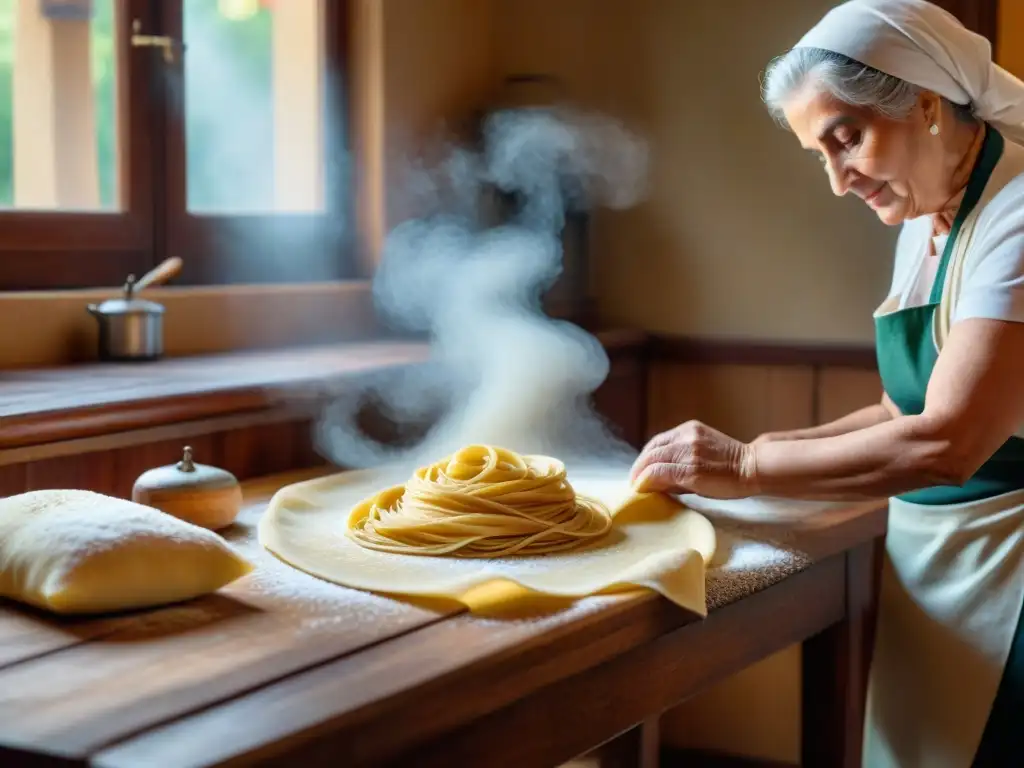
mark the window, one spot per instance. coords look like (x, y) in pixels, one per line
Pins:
(213, 130)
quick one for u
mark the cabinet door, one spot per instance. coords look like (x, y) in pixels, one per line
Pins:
(978, 15)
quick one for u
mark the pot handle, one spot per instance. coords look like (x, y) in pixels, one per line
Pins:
(159, 274)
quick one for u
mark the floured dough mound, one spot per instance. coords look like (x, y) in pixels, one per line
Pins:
(78, 552)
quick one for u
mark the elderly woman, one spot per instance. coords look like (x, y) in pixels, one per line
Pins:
(905, 109)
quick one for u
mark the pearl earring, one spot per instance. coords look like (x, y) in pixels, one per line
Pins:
(934, 130)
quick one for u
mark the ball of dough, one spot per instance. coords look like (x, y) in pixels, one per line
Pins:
(77, 552)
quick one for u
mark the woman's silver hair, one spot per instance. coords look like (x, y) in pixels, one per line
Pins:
(846, 79)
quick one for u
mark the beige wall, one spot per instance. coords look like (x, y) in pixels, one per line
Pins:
(741, 235)
(439, 66)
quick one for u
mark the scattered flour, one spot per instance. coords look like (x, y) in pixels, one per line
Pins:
(276, 586)
(743, 566)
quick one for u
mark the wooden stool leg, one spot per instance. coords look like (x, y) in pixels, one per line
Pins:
(835, 670)
(636, 748)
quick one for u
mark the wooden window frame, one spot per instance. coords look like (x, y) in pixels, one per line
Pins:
(48, 250)
(54, 249)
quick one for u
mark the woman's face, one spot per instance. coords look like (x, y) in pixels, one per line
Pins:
(897, 167)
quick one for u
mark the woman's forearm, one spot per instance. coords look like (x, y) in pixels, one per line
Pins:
(892, 457)
(973, 403)
(851, 422)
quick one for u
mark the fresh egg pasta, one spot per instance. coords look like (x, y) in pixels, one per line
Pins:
(482, 501)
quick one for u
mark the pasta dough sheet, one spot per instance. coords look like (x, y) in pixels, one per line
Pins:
(655, 543)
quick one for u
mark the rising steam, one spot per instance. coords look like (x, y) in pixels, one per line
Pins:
(501, 371)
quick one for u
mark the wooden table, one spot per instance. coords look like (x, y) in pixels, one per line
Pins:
(281, 669)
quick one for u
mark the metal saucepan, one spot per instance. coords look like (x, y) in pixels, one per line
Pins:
(131, 328)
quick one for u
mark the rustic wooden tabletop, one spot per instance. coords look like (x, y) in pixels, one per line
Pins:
(281, 668)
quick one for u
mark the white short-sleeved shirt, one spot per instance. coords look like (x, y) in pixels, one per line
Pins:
(993, 275)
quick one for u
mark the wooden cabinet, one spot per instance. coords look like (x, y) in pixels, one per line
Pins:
(978, 15)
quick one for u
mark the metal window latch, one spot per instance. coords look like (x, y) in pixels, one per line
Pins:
(166, 44)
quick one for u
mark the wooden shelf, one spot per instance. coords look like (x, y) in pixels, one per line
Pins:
(97, 427)
(73, 402)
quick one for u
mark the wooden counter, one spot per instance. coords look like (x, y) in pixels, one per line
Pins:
(283, 669)
(98, 427)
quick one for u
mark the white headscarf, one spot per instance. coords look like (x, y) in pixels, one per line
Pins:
(926, 46)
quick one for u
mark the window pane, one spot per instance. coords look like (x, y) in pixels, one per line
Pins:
(59, 145)
(254, 106)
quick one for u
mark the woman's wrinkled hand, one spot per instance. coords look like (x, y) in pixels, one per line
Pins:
(694, 458)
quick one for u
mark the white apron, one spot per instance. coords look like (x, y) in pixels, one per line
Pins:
(953, 579)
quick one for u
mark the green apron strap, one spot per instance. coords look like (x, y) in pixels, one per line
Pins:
(991, 151)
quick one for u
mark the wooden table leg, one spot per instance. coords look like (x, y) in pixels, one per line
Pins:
(636, 748)
(835, 670)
